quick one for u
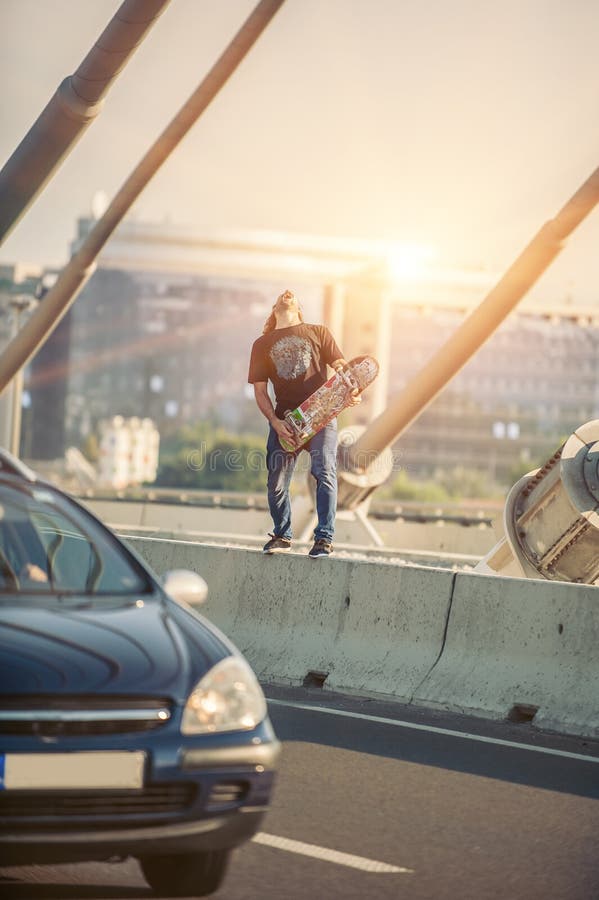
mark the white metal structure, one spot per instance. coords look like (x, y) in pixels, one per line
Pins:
(551, 517)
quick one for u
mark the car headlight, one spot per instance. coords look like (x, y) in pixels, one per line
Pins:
(228, 698)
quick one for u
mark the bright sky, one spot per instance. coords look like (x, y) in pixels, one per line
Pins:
(459, 124)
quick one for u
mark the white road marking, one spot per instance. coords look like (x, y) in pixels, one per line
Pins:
(435, 730)
(333, 856)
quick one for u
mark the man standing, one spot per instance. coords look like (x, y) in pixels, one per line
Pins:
(294, 356)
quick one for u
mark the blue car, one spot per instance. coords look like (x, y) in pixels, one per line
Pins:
(129, 725)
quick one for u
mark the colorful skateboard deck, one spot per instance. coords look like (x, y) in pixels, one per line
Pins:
(329, 400)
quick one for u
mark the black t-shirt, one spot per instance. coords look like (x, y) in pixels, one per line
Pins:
(295, 360)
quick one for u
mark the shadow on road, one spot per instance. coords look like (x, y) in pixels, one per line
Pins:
(429, 748)
(15, 889)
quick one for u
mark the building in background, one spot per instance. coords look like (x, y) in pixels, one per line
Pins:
(46, 420)
(151, 336)
(517, 399)
(128, 452)
(18, 286)
(170, 347)
(163, 331)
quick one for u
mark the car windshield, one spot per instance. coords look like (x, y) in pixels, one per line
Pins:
(49, 545)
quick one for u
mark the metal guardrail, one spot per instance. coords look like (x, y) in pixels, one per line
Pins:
(475, 515)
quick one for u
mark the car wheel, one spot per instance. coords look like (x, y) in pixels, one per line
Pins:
(185, 874)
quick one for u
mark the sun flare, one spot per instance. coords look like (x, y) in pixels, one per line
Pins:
(409, 262)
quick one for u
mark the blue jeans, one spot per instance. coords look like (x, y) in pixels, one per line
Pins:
(280, 464)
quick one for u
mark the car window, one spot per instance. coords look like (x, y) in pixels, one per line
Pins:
(44, 549)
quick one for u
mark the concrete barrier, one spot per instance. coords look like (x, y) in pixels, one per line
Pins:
(514, 645)
(370, 627)
(117, 511)
(478, 644)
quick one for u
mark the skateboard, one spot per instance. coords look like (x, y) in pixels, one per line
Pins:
(329, 400)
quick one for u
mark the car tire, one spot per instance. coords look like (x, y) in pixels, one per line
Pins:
(185, 874)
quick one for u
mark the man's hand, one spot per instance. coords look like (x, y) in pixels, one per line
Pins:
(284, 431)
(355, 397)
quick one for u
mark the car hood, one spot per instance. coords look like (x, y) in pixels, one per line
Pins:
(146, 648)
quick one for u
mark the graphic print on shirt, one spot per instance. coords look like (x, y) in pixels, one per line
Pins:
(292, 356)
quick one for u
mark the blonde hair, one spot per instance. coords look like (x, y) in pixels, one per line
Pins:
(271, 322)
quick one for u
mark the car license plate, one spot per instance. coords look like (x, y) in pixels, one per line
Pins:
(72, 771)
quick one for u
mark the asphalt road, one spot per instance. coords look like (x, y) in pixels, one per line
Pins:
(375, 810)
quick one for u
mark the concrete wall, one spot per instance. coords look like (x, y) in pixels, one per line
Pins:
(372, 627)
(462, 641)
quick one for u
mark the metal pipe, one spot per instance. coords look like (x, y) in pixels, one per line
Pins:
(15, 425)
(74, 275)
(475, 330)
(76, 103)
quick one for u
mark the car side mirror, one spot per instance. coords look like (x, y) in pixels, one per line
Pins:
(185, 587)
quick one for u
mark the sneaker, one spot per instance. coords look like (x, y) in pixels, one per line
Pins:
(277, 545)
(320, 548)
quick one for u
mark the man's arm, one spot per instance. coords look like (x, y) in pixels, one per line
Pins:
(266, 408)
